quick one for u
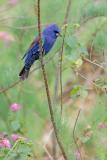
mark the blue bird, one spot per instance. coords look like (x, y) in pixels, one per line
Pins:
(49, 36)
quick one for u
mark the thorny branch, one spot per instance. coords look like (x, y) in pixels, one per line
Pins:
(46, 84)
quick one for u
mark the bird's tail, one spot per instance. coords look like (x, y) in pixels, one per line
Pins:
(23, 73)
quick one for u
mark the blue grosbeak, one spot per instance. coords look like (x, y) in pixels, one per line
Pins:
(49, 36)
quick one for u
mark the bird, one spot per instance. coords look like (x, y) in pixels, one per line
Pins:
(48, 36)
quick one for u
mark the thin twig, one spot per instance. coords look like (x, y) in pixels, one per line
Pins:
(44, 146)
(59, 70)
(13, 148)
(20, 27)
(54, 143)
(46, 84)
(48, 137)
(92, 62)
(60, 67)
(82, 76)
(13, 17)
(62, 47)
(39, 67)
(67, 12)
(7, 98)
(49, 155)
(90, 18)
(9, 87)
(74, 129)
(46, 150)
(18, 81)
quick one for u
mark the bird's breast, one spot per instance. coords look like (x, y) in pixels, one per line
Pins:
(48, 44)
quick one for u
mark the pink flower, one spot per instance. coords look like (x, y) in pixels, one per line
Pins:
(77, 155)
(7, 37)
(5, 143)
(102, 125)
(15, 137)
(13, 2)
(15, 107)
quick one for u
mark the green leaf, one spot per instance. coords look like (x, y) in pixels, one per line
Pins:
(75, 90)
(79, 90)
(78, 63)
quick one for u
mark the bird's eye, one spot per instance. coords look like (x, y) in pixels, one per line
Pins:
(56, 33)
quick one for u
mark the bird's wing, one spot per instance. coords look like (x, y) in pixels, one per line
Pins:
(34, 44)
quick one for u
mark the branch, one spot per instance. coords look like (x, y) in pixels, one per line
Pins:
(21, 27)
(60, 66)
(74, 129)
(62, 47)
(46, 84)
(2, 90)
(59, 70)
(9, 87)
(92, 62)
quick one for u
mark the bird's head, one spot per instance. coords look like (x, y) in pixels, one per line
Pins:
(52, 30)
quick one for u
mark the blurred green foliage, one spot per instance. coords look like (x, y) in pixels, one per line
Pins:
(87, 27)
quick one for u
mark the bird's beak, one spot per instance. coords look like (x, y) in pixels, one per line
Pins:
(58, 34)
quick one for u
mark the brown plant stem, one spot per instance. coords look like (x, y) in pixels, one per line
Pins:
(74, 129)
(59, 71)
(60, 66)
(54, 143)
(46, 84)
(62, 47)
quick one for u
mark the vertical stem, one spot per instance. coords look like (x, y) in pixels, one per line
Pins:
(74, 133)
(46, 84)
(54, 143)
(62, 48)
(54, 147)
(60, 66)
(59, 71)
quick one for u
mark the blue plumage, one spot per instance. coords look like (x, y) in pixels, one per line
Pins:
(49, 36)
